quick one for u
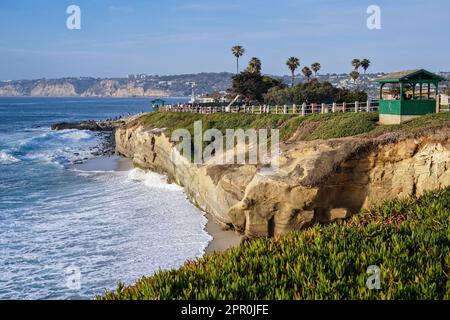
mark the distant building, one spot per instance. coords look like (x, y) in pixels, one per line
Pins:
(205, 100)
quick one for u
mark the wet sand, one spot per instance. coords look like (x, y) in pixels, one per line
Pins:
(106, 163)
(222, 239)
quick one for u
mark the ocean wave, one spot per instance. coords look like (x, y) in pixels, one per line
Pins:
(151, 179)
(60, 147)
(119, 229)
(6, 158)
(76, 135)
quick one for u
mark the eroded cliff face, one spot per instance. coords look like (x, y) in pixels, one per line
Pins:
(317, 181)
(74, 88)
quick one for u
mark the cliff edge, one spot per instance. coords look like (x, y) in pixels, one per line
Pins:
(318, 181)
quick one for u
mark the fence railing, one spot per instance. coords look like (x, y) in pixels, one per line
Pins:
(303, 109)
(444, 108)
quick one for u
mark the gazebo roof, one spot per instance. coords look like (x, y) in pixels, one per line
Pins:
(416, 74)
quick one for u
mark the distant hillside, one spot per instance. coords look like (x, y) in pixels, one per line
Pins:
(132, 86)
(143, 85)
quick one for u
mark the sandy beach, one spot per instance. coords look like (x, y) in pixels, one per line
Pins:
(222, 239)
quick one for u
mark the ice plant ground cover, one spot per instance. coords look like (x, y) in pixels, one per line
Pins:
(317, 126)
(408, 239)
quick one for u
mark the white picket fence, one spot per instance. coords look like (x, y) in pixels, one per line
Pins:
(304, 109)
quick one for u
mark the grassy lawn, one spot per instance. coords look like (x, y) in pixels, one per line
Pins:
(325, 126)
(409, 240)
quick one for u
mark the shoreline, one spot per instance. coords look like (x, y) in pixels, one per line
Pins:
(223, 239)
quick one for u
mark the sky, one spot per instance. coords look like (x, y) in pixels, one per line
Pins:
(120, 37)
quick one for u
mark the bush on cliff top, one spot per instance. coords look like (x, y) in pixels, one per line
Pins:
(408, 239)
(326, 126)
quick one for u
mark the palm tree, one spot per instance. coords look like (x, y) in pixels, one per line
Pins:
(356, 63)
(365, 64)
(316, 67)
(238, 51)
(307, 72)
(354, 75)
(293, 63)
(254, 65)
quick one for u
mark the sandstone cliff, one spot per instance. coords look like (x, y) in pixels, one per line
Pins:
(81, 88)
(317, 182)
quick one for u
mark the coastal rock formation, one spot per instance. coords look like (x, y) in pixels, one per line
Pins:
(78, 88)
(106, 125)
(317, 182)
(54, 90)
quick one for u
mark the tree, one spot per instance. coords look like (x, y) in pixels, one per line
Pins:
(447, 92)
(354, 75)
(356, 63)
(365, 64)
(252, 86)
(254, 65)
(307, 72)
(293, 63)
(316, 67)
(238, 51)
(313, 91)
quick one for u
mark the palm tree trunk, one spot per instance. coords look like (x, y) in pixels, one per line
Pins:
(237, 65)
(293, 79)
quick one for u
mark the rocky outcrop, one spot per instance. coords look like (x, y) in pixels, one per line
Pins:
(317, 181)
(95, 125)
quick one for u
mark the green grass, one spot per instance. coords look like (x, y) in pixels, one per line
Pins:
(427, 121)
(408, 239)
(333, 125)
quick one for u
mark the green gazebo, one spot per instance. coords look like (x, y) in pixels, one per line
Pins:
(406, 95)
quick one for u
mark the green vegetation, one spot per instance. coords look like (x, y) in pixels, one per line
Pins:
(317, 126)
(312, 91)
(293, 63)
(252, 86)
(409, 240)
(316, 68)
(325, 126)
(237, 51)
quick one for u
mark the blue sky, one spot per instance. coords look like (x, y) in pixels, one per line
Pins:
(119, 37)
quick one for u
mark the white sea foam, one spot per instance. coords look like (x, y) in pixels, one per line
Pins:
(76, 135)
(151, 179)
(60, 147)
(6, 158)
(112, 225)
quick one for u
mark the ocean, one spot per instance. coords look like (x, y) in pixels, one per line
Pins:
(69, 233)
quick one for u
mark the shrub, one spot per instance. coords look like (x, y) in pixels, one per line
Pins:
(313, 92)
(408, 239)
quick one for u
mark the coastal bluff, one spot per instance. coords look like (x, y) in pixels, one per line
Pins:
(318, 181)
